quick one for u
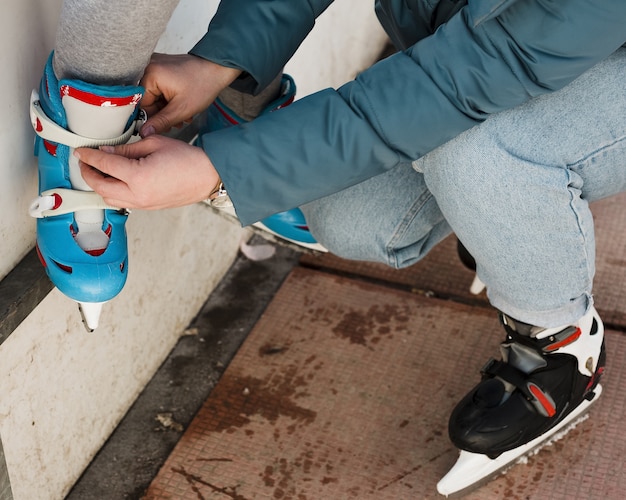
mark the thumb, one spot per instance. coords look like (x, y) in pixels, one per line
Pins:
(98, 158)
(174, 113)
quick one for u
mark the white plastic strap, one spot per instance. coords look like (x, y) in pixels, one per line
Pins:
(49, 130)
(64, 201)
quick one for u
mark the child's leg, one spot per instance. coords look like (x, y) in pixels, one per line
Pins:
(109, 42)
(88, 97)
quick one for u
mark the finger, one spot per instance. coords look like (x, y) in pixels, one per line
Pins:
(150, 82)
(135, 150)
(152, 96)
(113, 165)
(113, 160)
(112, 190)
(153, 109)
(174, 113)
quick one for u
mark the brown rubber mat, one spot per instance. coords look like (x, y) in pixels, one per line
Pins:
(441, 273)
(343, 390)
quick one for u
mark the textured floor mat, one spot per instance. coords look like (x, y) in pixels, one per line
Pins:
(343, 390)
(442, 274)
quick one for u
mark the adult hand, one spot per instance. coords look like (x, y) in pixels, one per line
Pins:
(178, 87)
(153, 173)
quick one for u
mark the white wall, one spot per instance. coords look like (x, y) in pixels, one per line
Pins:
(26, 36)
(62, 390)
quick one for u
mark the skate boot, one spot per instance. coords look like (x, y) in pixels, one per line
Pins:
(468, 261)
(545, 381)
(81, 241)
(287, 228)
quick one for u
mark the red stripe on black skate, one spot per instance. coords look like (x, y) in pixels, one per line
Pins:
(98, 100)
(566, 341)
(543, 400)
(595, 378)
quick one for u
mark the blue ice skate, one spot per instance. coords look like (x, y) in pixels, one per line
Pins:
(81, 241)
(285, 227)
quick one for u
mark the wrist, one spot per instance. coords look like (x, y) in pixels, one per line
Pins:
(219, 76)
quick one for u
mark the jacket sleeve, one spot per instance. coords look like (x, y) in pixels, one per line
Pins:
(410, 103)
(258, 36)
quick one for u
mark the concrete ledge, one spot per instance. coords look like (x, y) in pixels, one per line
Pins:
(21, 291)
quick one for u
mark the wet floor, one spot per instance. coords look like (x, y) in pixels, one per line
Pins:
(343, 387)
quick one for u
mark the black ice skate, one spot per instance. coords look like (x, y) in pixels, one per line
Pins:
(547, 378)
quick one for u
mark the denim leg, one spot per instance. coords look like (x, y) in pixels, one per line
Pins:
(391, 218)
(516, 191)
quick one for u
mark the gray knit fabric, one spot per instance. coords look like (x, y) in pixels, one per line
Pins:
(109, 42)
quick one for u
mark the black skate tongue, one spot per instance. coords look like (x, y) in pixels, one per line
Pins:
(489, 394)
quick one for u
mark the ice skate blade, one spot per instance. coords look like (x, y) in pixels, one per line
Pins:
(472, 470)
(90, 314)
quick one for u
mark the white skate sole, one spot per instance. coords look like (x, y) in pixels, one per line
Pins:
(227, 211)
(472, 470)
(268, 234)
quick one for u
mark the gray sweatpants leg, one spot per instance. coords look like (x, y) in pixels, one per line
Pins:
(109, 42)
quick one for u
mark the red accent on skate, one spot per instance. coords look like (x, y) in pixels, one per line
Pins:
(38, 126)
(57, 201)
(289, 101)
(98, 100)
(543, 400)
(566, 341)
(39, 254)
(63, 267)
(50, 147)
(95, 252)
(594, 378)
(99, 251)
(229, 118)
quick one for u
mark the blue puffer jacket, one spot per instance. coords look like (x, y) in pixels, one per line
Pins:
(459, 62)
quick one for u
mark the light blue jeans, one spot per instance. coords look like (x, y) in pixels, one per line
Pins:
(515, 190)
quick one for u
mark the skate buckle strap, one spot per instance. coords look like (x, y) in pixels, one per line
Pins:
(561, 339)
(548, 344)
(49, 130)
(541, 400)
(62, 201)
